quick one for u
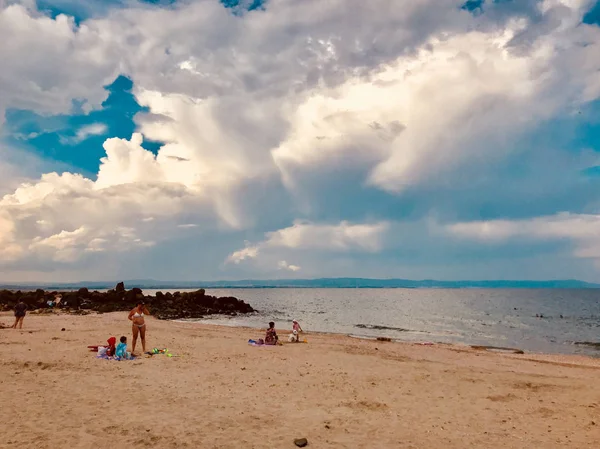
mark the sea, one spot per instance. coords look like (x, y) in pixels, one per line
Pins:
(534, 320)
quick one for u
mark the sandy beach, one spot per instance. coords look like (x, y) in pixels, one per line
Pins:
(336, 391)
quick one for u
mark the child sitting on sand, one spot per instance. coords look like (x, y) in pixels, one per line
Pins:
(110, 349)
(121, 351)
(271, 338)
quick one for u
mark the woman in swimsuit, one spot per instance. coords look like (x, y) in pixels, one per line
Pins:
(271, 338)
(139, 326)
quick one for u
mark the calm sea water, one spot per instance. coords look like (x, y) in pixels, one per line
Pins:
(494, 317)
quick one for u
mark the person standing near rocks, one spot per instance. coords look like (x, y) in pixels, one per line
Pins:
(20, 311)
(139, 325)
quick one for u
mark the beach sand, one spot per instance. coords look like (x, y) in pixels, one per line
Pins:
(336, 391)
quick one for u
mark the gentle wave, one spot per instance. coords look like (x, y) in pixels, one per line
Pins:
(589, 344)
(383, 328)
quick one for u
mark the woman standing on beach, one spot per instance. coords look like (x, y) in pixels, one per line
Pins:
(20, 309)
(139, 325)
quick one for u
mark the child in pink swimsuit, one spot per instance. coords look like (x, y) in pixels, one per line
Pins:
(296, 326)
(295, 335)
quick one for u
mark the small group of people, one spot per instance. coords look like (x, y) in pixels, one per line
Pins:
(271, 337)
(139, 327)
(112, 349)
(136, 316)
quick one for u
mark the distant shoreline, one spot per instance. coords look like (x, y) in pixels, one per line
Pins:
(333, 283)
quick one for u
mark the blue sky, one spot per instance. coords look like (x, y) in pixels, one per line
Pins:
(56, 137)
(202, 139)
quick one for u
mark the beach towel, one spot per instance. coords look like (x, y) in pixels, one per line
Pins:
(116, 358)
(261, 343)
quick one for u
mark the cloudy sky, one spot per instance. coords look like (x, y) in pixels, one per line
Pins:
(207, 139)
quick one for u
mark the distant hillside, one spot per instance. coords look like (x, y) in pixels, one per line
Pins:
(309, 283)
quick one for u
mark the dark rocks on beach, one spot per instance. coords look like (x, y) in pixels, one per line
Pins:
(163, 306)
(384, 339)
(498, 349)
(301, 442)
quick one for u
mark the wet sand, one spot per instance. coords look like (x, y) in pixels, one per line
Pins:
(336, 391)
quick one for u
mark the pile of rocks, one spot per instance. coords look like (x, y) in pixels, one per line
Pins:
(163, 306)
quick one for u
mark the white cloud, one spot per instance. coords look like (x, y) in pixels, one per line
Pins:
(420, 94)
(462, 100)
(341, 237)
(582, 230)
(250, 252)
(49, 63)
(64, 217)
(305, 235)
(283, 265)
(83, 133)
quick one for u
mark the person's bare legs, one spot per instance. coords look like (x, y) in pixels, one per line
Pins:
(21, 322)
(143, 337)
(135, 336)
(14, 326)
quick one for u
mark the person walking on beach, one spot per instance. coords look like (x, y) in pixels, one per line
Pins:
(20, 310)
(139, 325)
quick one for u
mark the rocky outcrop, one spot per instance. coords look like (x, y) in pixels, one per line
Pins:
(163, 306)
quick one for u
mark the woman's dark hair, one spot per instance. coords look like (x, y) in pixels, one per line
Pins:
(271, 324)
(123, 339)
(140, 303)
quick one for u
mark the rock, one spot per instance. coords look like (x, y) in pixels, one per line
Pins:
(301, 442)
(498, 349)
(383, 339)
(163, 306)
(63, 329)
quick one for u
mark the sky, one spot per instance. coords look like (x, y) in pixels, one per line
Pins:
(266, 139)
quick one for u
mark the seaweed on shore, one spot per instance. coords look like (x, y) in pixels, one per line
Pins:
(381, 328)
(590, 344)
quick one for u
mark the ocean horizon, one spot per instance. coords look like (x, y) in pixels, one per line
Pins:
(344, 282)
